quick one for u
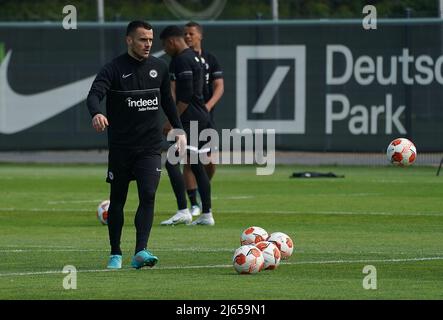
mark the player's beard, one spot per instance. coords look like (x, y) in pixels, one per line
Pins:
(138, 56)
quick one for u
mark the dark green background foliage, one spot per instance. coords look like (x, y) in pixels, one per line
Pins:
(117, 10)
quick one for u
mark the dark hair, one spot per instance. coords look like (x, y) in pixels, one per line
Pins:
(171, 31)
(133, 25)
(196, 25)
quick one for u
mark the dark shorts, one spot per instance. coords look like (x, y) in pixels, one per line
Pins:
(130, 164)
(193, 145)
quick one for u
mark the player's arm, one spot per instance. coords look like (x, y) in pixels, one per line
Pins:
(217, 82)
(184, 86)
(99, 88)
(181, 107)
(173, 90)
(218, 90)
(183, 92)
(172, 78)
(167, 126)
(181, 74)
(171, 113)
(168, 104)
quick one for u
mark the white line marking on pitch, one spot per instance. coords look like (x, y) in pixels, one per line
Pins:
(31, 273)
(234, 197)
(238, 197)
(34, 246)
(71, 249)
(163, 249)
(342, 194)
(45, 210)
(430, 214)
(332, 212)
(74, 201)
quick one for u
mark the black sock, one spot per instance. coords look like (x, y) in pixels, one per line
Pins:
(192, 194)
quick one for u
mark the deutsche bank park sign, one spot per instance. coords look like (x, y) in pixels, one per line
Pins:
(322, 86)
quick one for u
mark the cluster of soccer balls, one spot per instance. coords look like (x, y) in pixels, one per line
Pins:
(261, 251)
(401, 152)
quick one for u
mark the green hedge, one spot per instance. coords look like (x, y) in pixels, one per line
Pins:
(118, 10)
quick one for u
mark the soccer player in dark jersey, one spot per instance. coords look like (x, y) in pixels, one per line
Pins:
(136, 85)
(186, 71)
(212, 91)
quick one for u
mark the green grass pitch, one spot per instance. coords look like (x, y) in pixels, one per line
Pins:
(387, 217)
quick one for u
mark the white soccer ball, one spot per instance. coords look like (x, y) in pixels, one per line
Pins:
(283, 242)
(248, 260)
(401, 152)
(102, 212)
(271, 254)
(253, 235)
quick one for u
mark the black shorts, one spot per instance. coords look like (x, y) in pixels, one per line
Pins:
(127, 164)
(193, 146)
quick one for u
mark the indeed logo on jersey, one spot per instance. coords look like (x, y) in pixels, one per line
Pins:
(143, 104)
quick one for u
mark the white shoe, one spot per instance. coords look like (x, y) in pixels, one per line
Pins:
(204, 219)
(195, 211)
(182, 216)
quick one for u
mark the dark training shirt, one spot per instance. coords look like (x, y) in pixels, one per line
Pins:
(187, 71)
(134, 92)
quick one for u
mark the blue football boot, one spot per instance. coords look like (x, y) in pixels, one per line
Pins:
(115, 262)
(143, 258)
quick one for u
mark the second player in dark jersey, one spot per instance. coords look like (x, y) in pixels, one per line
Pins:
(212, 91)
(187, 74)
(136, 86)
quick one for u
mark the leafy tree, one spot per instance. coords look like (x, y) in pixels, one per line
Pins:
(115, 10)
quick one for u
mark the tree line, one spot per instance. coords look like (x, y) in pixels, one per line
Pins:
(154, 10)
